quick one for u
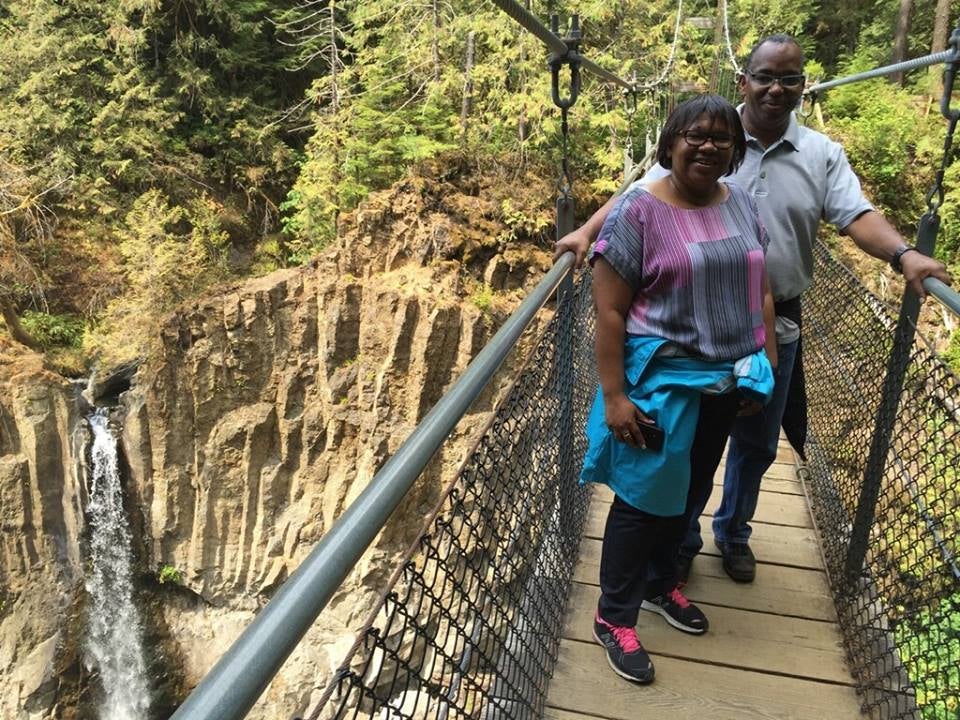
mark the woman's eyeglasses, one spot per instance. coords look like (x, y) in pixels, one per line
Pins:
(696, 138)
(786, 81)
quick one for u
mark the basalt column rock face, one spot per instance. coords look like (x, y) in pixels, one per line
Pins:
(270, 406)
(40, 526)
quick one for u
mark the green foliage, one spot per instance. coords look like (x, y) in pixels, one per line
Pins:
(952, 353)
(929, 645)
(106, 101)
(54, 330)
(391, 105)
(758, 18)
(170, 252)
(522, 225)
(482, 298)
(168, 574)
(891, 141)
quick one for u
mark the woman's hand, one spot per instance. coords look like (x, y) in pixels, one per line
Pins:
(623, 418)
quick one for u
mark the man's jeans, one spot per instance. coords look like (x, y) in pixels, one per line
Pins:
(752, 449)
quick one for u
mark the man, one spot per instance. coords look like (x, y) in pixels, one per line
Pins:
(797, 177)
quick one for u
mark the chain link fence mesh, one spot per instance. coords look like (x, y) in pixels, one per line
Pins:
(899, 609)
(470, 626)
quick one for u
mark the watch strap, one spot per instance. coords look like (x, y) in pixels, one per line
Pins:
(895, 260)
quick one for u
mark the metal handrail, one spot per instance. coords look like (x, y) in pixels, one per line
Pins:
(235, 683)
(944, 293)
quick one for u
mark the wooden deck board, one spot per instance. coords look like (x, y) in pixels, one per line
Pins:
(737, 638)
(775, 588)
(773, 649)
(687, 690)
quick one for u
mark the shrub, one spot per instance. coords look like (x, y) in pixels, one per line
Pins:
(51, 330)
(169, 574)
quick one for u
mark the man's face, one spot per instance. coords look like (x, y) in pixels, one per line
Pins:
(769, 103)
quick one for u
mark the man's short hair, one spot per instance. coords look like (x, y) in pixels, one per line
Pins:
(715, 108)
(778, 39)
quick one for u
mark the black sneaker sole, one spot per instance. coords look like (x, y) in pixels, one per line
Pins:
(653, 607)
(644, 680)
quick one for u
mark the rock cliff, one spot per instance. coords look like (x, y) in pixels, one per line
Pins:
(266, 408)
(41, 498)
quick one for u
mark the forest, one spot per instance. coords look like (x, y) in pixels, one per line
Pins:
(152, 150)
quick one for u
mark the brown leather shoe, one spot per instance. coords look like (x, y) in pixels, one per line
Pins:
(738, 561)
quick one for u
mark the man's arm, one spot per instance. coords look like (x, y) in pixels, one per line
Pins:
(579, 240)
(875, 236)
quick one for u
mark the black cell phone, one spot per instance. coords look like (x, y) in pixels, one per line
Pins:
(653, 436)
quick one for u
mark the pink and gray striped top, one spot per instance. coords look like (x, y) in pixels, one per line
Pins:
(697, 273)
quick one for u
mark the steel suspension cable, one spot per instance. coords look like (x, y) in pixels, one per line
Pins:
(529, 21)
(554, 43)
(726, 38)
(673, 51)
(926, 61)
(605, 74)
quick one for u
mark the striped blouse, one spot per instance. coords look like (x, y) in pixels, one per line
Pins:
(697, 274)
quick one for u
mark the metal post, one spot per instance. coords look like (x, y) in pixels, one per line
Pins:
(902, 341)
(563, 365)
(886, 417)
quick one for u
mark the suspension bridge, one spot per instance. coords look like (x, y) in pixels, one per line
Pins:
(853, 612)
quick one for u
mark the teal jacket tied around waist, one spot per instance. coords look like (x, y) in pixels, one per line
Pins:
(667, 390)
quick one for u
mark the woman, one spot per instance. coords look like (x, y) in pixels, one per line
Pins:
(685, 339)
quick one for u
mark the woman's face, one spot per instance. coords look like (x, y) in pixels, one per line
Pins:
(697, 161)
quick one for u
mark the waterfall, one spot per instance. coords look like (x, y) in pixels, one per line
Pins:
(114, 645)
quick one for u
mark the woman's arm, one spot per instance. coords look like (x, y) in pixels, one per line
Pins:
(613, 297)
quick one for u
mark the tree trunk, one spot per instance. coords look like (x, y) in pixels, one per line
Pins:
(941, 27)
(466, 107)
(522, 121)
(14, 326)
(334, 58)
(900, 37)
(941, 31)
(436, 41)
(335, 105)
(717, 49)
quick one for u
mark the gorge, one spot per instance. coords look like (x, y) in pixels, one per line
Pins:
(265, 408)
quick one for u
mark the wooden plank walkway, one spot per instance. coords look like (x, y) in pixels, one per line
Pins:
(773, 649)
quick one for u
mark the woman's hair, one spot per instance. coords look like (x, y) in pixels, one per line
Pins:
(715, 108)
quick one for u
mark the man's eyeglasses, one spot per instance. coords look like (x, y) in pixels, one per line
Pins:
(696, 138)
(786, 81)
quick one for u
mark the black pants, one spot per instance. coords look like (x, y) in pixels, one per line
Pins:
(638, 544)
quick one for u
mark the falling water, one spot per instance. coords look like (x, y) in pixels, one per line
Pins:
(114, 643)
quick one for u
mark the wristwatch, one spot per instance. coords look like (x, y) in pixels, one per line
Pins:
(895, 260)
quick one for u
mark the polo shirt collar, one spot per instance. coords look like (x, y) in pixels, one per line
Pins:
(791, 136)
